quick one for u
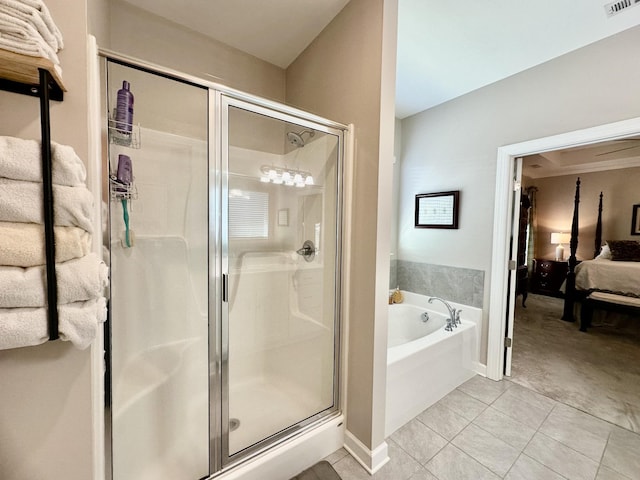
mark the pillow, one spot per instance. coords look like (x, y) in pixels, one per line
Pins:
(624, 250)
(605, 252)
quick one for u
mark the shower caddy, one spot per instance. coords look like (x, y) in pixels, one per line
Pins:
(37, 77)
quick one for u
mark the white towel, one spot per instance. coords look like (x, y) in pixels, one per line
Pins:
(42, 9)
(78, 280)
(17, 29)
(20, 160)
(32, 16)
(77, 322)
(23, 244)
(22, 202)
(30, 47)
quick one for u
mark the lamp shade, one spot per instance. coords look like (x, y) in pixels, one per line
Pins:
(558, 238)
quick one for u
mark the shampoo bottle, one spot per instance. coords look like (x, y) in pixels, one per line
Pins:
(124, 109)
(125, 171)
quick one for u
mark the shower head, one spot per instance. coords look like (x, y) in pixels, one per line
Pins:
(296, 138)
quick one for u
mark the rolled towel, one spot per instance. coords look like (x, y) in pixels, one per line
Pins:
(77, 323)
(22, 202)
(34, 16)
(40, 6)
(23, 244)
(21, 30)
(78, 280)
(20, 160)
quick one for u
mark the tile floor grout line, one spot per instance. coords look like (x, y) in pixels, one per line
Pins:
(569, 446)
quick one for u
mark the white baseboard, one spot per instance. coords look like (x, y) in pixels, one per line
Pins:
(480, 368)
(371, 460)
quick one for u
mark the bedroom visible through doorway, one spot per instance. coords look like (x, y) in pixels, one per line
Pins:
(596, 371)
(503, 255)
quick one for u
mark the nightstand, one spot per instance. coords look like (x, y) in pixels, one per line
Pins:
(548, 276)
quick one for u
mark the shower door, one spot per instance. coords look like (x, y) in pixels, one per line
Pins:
(280, 250)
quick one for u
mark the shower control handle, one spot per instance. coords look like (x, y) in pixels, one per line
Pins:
(308, 250)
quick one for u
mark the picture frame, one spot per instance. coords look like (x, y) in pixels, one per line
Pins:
(635, 220)
(437, 210)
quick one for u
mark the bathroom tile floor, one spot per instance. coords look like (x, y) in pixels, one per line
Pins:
(491, 430)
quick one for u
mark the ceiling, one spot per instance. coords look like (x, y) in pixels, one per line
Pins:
(449, 48)
(445, 48)
(614, 154)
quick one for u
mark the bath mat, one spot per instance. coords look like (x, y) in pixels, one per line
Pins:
(320, 471)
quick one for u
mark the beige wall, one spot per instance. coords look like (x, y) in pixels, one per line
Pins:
(338, 77)
(139, 34)
(555, 208)
(454, 146)
(45, 393)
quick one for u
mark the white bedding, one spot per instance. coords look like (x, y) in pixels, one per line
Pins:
(609, 276)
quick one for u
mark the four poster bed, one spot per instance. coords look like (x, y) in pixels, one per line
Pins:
(611, 281)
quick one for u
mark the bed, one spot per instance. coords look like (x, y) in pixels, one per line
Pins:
(611, 281)
(606, 275)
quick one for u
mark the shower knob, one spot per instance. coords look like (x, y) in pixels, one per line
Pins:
(308, 250)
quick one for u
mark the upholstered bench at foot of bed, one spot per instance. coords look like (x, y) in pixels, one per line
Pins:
(606, 301)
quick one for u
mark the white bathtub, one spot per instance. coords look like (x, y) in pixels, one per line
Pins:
(424, 361)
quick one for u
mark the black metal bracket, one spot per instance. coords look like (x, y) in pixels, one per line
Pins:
(33, 90)
(47, 202)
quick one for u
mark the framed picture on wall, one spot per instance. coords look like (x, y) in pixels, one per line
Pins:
(437, 210)
(635, 220)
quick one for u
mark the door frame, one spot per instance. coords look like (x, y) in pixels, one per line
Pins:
(503, 223)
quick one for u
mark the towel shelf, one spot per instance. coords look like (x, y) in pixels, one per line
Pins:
(37, 77)
(20, 74)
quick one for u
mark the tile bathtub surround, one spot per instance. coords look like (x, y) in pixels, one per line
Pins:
(492, 430)
(393, 274)
(459, 285)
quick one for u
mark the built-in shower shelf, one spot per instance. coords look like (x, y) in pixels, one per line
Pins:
(149, 370)
(124, 134)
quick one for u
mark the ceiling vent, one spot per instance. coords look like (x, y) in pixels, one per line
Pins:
(614, 8)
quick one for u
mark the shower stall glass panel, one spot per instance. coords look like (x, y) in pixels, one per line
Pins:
(159, 279)
(280, 255)
(224, 243)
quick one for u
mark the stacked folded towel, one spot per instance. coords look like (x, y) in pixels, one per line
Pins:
(26, 27)
(81, 276)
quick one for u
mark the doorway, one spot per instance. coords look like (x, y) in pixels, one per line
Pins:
(553, 356)
(508, 181)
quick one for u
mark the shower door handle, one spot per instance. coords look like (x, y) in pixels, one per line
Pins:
(225, 287)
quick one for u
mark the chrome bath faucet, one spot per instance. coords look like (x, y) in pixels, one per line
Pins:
(454, 315)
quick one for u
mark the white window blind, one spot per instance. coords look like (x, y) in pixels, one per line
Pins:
(248, 214)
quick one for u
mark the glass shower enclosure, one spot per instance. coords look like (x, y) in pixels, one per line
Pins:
(224, 244)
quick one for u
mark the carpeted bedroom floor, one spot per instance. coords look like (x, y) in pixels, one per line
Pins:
(597, 372)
